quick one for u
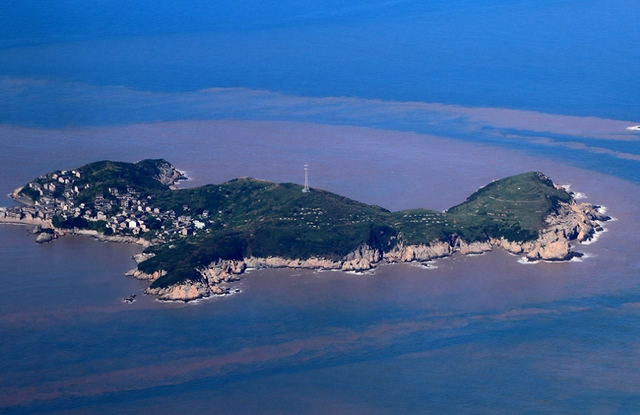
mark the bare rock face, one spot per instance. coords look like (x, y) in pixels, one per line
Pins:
(139, 275)
(575, 222)
(279, 262)
(509, 246)
(362, 259)
(187, 291)
(556, 251)
(118, 238)
(223, 271)
(408, 253)
(559, 250)
(571, 222)
(474, 248)
(168, 175)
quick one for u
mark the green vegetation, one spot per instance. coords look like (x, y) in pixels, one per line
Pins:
(177, 276)
(513, 208)
(30, 193)
(97, 178)
(279, 219)
(81, 223)
(527, 198)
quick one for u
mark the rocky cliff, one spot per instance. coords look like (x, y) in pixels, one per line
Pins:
(168, 174)
(185, 291)
(570, 222)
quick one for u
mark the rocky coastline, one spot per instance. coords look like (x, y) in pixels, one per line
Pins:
(94, 200)
(571, 223)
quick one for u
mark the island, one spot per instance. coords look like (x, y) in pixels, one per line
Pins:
(197, 239)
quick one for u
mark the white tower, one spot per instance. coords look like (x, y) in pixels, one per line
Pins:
(306, 179)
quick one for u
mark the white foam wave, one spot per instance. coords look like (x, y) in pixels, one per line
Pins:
(424, 265)
(634, 128)
(317, 271)
(595, 236)
(576, 195)
(368, 272)
(187, 177)
(580, 258)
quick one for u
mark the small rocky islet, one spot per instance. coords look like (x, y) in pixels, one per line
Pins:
(197, 239)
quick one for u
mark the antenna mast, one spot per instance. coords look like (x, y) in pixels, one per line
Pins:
(306, 179)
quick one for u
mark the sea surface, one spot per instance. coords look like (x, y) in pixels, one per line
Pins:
(402, 104)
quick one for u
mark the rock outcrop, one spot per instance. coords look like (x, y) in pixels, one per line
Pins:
(45, 237)
(279, 262)
(139, 275)
(362, 259)
(223, 271)
(570, 222)
(185, 291)
(408, 253)
(473, 248)
(168, 174)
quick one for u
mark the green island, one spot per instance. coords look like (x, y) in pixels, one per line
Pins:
(198, 239)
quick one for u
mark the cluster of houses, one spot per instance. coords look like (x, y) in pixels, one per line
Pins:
(139, 217)
(124, 213)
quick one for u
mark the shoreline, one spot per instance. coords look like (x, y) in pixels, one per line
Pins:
(58, 232)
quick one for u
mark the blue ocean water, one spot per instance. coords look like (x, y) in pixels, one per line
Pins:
(556, 56)
(399, 103)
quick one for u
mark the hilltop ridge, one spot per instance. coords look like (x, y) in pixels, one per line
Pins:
(198, 238)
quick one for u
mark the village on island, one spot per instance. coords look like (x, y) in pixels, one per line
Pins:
(52, 198)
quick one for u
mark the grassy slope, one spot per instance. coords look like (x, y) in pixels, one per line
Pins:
(103, 175)
(514, 207)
